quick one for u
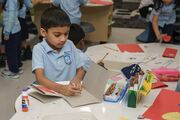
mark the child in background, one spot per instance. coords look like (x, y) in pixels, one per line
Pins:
(29, 3)
(56, 58)
(162, 20)
(11, 37)
(71, 7)
(77, 35)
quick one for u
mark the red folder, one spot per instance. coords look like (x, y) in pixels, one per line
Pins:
(130, 48)
(170, 53)
(167, 101)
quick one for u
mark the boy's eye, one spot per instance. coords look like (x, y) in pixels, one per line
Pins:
(57, 35)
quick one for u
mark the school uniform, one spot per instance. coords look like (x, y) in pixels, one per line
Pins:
(72, 8)
(60, 66)
(11, 28)
(166, 19)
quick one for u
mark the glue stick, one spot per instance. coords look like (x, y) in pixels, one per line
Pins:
(25, 101)
(25, 96)
(24, 105)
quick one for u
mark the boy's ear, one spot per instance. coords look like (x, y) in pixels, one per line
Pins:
(43, 32)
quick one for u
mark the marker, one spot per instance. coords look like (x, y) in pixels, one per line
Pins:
(104, 56)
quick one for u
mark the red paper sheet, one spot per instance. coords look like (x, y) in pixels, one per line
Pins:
(170, 53)
(130, 48)
(166, 102)
(101, 2)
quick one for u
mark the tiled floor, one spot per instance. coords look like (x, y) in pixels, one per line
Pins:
(11, 88)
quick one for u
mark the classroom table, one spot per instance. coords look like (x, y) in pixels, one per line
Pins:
(98, 15)
(104, 110)
(152, 54)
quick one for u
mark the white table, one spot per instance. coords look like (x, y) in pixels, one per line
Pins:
(104, 110)
(152, 54)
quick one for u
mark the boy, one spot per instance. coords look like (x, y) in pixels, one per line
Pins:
(56, 58)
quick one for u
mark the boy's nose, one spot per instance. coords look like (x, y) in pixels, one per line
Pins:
(63, 38)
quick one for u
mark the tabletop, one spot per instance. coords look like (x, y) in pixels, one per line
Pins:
(105, 110)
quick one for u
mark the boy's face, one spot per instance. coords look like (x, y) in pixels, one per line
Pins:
(56, 36)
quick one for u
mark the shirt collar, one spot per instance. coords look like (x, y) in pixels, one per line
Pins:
(48, 49)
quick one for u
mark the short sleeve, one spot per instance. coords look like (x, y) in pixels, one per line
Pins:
(155, 13)
(37, 58)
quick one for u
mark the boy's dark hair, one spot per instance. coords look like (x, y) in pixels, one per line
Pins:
(54, 17)
(76, 33)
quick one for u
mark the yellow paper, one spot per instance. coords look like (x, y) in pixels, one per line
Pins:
(171, 116)
(147, 84)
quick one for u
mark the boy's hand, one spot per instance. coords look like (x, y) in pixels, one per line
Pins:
(76, 83)
(69, 90)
